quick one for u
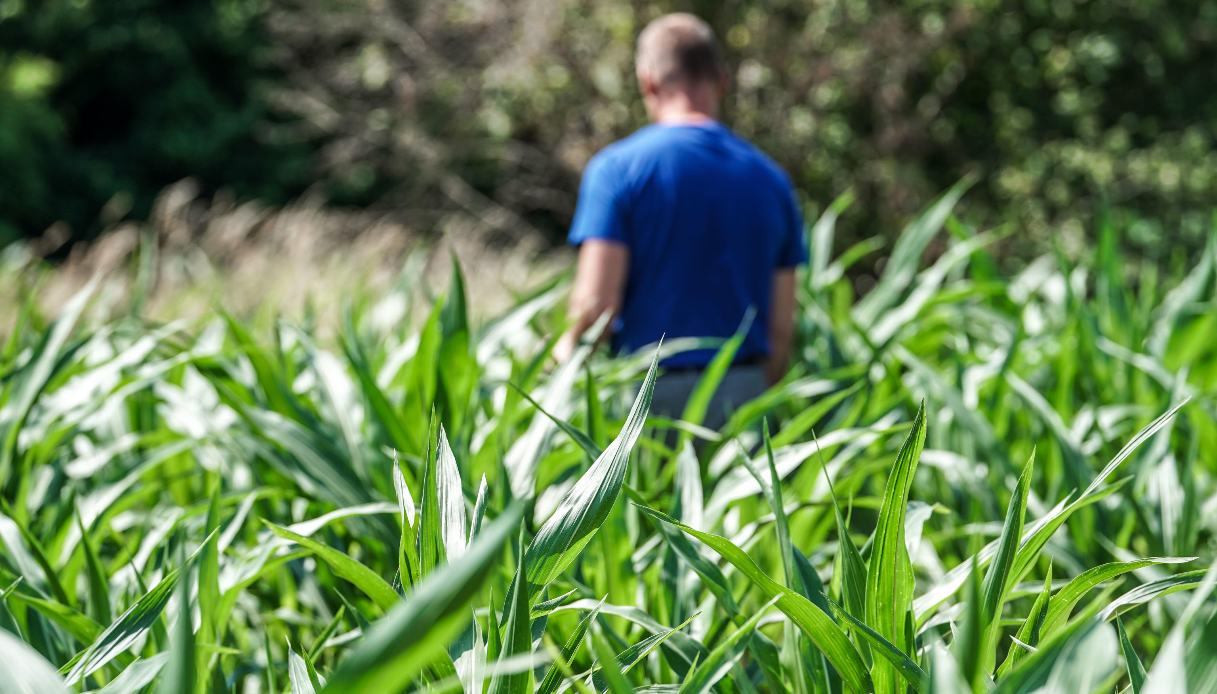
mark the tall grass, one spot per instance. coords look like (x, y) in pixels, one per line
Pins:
(970, 481)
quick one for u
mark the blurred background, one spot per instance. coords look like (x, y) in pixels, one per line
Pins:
(309, 126)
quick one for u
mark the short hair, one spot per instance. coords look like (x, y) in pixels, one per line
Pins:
(679, 48)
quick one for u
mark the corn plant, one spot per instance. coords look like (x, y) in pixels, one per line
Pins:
(973, 479)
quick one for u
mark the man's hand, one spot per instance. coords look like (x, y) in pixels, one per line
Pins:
(781, 324)
(599, 288)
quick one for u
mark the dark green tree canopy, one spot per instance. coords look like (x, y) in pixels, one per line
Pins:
(485, 112)
(108, 101)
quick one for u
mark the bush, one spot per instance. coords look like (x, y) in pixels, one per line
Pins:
(105, 103)
(483, 114)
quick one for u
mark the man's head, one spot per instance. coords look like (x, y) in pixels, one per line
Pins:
(680, 67)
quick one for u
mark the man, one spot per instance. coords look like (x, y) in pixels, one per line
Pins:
(683, 228)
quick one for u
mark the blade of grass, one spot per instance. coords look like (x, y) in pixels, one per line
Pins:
(1132, 662)
(517, 633)
(416, 631)
(585, 508)
(889, 577)
(1068, 597)
(363, 578)
(723, 657)
(130, 626)
(25, 670)
(826, 634)
(553, 677)
(178, 675)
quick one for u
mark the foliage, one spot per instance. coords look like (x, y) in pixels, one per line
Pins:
(1062, 109)
(105, 102)
(481, 114)
(974, 482)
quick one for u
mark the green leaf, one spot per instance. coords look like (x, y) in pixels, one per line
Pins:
(457, 367)
(494, 635)
(997, 579)
(29, 549)
(944, 675)
(99, 588)
(595, 409)
(137, 676)
(1032, 628)
(525, 453)
(1201, 670)
(719, 662)
(1035, 669)
(33, 379)
(682, 651)
(80, 626)
(1185, 660)
(517, 633)
(178, 675)
(1147, 592)
(1067, 598)
(610, 669)
(698, 403)
(967, 645)
(553, 677)
(801, 661)
(25, 670)
(298, 674)
(712, 577)
(908, 668)
(450, 497)
(1132, 662)
(812, 587)
(408, 569)
(417, 631)
(583, 440)
(359, 575)
(430, 534)
(849, 560)
(1085, 663)
(889, 578)
(902, 262)
(271, 685)
(585, 508)
(420, 390)
(210, 630)
(1037, 534)
(820, 628)
(638, 652)
(131, 625)
(380, 409)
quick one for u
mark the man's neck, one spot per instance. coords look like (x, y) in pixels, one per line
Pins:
(686, 108)
(684, 118)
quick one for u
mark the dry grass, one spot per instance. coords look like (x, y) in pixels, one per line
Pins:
(195, 254)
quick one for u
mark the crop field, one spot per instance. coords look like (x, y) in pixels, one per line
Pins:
(973, 479)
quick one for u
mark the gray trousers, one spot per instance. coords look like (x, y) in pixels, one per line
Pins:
(739, 385)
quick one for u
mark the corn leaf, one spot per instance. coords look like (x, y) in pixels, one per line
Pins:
(417, 630)
(585, 508)
(359, 575)
(826, 634)
(889, 577)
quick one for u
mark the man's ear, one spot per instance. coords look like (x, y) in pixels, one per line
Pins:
(647, 85)
(724, 84)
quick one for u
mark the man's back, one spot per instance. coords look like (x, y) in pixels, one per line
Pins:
(707, 220)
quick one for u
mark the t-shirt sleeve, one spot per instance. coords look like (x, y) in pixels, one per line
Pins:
(600, 212)
(794, 243)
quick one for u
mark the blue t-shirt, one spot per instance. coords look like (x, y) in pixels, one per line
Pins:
(707, 219)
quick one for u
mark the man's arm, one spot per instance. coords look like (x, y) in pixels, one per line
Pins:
(599, 288)
(781, 324)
